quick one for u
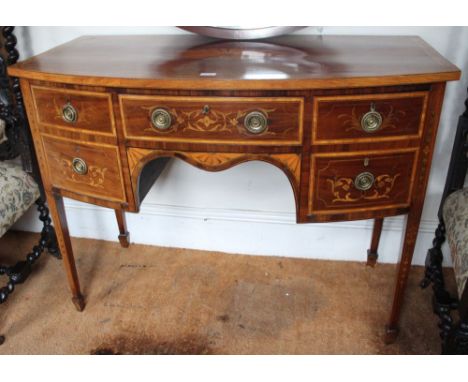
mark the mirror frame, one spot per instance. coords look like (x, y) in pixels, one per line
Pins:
(241, 33)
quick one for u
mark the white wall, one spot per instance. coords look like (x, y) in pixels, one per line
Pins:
(250, 208)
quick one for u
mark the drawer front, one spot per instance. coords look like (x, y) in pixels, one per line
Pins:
(227, 120)
(347, 119)
(76, 110)
(88, 169)
(361, 181)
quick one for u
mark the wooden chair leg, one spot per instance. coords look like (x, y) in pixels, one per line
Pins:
(57, 211)
(372, 253)
(124, 235)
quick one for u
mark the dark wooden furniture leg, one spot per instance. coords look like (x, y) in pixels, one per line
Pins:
(457, 340)
(57, 211)
(124, 235)
(372, 253)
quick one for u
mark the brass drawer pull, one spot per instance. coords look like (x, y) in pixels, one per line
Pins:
(79, 166)
(256, 122)
(69, 113)
(364, 181)
(161, 119)
(371, 121)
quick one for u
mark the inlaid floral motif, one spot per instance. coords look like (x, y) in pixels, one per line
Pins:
(211, 121)
(343, 189)
(292, 162)
(94, 177)
(389, 121)
(212, 159)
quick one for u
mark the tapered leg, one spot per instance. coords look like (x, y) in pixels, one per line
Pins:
(57, 210)
(411, 233)
(124, 235)
(372, 253)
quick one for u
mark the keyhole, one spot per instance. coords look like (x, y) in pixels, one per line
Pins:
(206, 109)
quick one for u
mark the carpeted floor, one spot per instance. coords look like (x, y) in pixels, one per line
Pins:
(152, 300)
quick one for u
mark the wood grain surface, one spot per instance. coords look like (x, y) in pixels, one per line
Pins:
(195, 62)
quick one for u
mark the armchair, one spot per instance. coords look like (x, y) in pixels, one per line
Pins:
(20, 185)
(453, 225)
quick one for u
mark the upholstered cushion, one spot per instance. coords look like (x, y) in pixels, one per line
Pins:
(3, 137)
(455, 213)
(18, 191)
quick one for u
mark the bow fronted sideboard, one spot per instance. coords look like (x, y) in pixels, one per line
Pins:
(350, 120)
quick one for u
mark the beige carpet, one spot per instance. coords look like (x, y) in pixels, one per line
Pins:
(152, 300)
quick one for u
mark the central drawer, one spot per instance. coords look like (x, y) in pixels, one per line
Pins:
(227, 120)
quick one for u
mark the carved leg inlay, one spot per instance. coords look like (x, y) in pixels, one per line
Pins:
(57, 211)
(412, 225)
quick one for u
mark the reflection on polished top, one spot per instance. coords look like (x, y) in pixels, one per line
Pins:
(287, 62)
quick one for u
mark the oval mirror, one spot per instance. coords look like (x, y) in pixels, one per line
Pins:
(240, 32)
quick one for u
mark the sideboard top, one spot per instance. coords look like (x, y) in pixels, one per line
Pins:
(196, 62)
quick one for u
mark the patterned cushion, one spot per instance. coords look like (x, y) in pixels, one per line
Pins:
(18, 191)
(3, 137)
(455, 213)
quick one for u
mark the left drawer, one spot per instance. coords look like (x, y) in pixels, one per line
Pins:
(76, 110)
(88, 169)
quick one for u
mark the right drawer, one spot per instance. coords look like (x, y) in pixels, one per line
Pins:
(375, 117)
(351, 182)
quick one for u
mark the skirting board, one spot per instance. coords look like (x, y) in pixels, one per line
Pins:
(242, 231)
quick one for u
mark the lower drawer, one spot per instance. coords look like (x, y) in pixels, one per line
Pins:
(352, 182)
(88, 169)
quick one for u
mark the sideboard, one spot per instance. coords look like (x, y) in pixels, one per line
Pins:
(350, 120)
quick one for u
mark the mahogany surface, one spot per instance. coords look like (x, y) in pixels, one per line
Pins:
(178, 62)
(313, 91)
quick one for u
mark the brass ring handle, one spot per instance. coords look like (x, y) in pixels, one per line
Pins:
(161, 119)
(69, 113)
(371, 121)
(364, 181)
(79, 166)
(256, 122)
